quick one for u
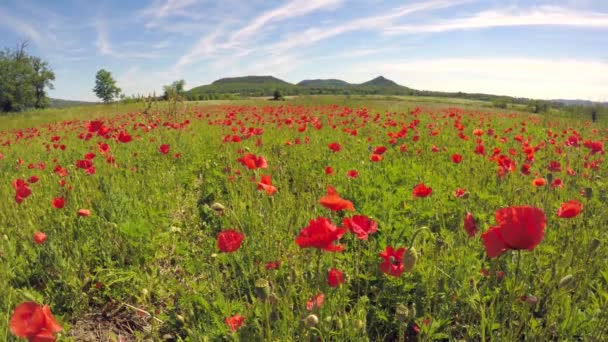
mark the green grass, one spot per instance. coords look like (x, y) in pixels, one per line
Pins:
(146, 264)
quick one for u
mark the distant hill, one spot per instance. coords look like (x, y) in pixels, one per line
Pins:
(253, 86)
(242, 86)
(380, 81)
(58, 103)
(323, 83)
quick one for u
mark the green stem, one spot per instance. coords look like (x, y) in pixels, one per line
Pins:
(422, 229)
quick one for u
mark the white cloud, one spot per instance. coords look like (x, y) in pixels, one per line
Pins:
(525, 77)
(105, 48)
(372, 23)
(20, 27)
(237, 40)
(548, 16)
(167, 8)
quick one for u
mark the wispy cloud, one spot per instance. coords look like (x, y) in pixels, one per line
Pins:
(105, 48)
(373, 23)
(167, 8)
(543, 16)
(212, 43)
(21, 27)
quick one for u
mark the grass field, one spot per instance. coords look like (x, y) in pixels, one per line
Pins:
(184, 237)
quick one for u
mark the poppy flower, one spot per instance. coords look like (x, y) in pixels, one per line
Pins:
(39, 238)
(470, 225)
(335, 147)
(34, 322)
(22, 191)
(352, 174)
(272, 265)
(58, 203)
(380, 150)
(329, 170)
(360, 225)
(252, 162)
(84, 212)
(320, 233)
(234, 322)
(124, 137)
(334, 202)
(421, 190)
(33, 179)
(335, 277)
(518, 228)
(460, 192)
(164, 148)
(393, 261)
(557, 183)
(266, 185)
(570, 209)
(229, 240)
(315, 302)
(375, 158)
(539, 182)
(456, 158)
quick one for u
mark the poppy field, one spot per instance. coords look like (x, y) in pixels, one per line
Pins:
(298, 221)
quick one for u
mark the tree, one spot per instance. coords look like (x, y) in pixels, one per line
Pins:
(277, 95)
(175, 91)
(105, 86)
(23, 79)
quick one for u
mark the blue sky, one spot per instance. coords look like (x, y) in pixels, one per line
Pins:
(541, 49)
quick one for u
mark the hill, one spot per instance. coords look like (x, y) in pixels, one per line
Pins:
(248, 86)
(324, 83)
(58, 103)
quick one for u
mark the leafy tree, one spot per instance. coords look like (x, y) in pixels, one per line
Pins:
(105, 86)
(175, 91)
(23, 79)
(277, 95)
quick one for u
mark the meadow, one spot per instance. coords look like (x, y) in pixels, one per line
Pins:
(313, 219)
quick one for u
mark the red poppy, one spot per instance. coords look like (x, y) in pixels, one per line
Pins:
(164, 148)
(320, 233)
(380, 150)
(334, 202)
(124, 137)
(360, 225)
(33, 179)
(22, 191)
(335, 147)
(39, 237)
(557, 183)
(335, 277)
(315, 302)
(460, 192)
(518, 228)
(470, 225)
(375, 158)
(58, 203)
(421, 190)
(539, 182)
(234, 322)
(272, 265)
(84, 212)
(329, 170)
(456, 158)
(266, 185)
(352, 174)
(252, 162)
(84, 163)
(229, 240)
(570, 209)
(393, 261)
(34, 322)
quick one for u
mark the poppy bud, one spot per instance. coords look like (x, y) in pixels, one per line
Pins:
(218, 208)
(402, 313)
(588, 192)
(412, 310)
(549, 177)
(593, 245)
(262, 288)
(180, 319)
(144, 292)
(311, 320)
(409, 259)
(338, 322)
(531, 299)
(359, 324)
(566, 282)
